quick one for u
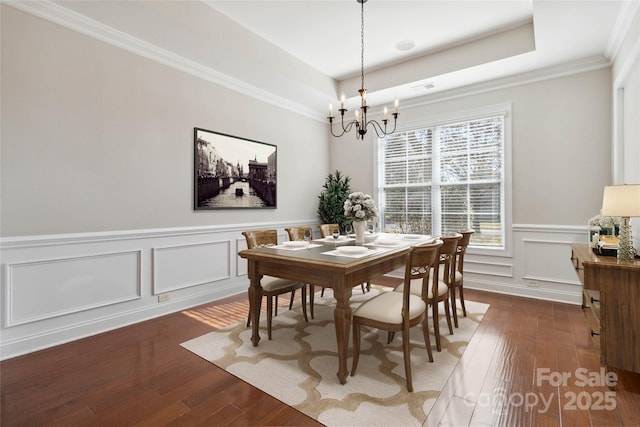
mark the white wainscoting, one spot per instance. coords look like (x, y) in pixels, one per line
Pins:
(61, 288)
(540, 267)
(39, 290)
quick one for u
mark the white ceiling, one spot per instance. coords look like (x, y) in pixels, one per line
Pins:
(326, 35)
(301, 54)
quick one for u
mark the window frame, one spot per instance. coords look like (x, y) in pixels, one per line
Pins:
(503, 110)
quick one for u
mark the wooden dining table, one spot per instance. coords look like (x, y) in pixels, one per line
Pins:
(315, 266)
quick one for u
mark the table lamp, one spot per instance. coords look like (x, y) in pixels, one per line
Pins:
(622, 201)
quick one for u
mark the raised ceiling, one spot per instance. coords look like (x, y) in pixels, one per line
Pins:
(302, 54)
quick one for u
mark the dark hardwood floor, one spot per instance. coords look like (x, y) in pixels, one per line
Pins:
(139, 375)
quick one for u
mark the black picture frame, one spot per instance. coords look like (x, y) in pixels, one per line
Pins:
(231, 172)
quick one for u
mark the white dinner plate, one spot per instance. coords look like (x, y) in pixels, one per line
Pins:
(352, 250)
(414, 236)
(296, 244)
(386, 242)
(331, 239)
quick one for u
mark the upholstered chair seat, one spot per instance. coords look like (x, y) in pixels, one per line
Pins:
(400, 311)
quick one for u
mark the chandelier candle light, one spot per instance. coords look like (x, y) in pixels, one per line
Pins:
(361, 124)
(623, 201)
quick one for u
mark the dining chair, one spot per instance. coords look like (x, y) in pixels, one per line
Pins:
(439, 292)
(463, 243)
(274, 286)
(298, 233)
(400, 311)
(326, 230)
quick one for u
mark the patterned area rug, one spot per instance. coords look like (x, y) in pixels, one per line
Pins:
(298, 366)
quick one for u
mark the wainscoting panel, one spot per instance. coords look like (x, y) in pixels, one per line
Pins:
(61, 288)
(179, 267)
(540, 261)
(44, 289)
(241, 263)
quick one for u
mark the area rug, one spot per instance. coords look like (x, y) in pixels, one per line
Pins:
(298, 366)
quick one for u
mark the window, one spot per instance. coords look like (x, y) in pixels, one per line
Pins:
(446, 178)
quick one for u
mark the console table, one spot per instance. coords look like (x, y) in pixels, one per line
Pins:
(611, 304)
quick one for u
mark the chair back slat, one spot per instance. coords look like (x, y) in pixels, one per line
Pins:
(420, 260)
(448, 253)
(462, 247)
(326, 230)
(297, 233)
(260, 238)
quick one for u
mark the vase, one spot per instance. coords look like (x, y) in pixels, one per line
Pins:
(359, 227)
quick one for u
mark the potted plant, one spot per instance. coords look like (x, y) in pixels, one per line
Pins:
(335, 191)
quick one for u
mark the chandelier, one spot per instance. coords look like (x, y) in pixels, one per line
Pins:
(360, 122)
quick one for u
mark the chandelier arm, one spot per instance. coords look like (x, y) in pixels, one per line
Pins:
(380, 130)
(345, 129)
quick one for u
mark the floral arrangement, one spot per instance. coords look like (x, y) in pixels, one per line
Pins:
(604, 221)
(360, 207)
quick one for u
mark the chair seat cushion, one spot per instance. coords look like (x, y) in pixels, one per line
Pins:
(458, 275)
(387, 308)
(416, 288)
(270, 283)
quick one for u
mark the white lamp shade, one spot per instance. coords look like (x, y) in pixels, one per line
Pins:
(621, 200)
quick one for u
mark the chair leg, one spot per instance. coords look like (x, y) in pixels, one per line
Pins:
(454, 308)
(363, 289)
(322, 292)
(276, 307)
(427, 340)
(304, 302)
(293, 294)
(464, 310)
(447, 313)
(356, 346)
(390, 336)
(269, 309)
(407, 358)
(436, 324)
(368, 286)
(312, 292)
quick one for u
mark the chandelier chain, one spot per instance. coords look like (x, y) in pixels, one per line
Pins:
(361, 123)
(362, 44)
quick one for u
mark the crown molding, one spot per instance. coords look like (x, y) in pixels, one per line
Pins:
(60, 15)
(625, 18)
(561, 70)
(64, 17)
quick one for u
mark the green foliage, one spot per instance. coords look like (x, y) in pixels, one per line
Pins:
(335, 191)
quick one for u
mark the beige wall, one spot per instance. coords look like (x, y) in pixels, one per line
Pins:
(561, 139)
(95, 138)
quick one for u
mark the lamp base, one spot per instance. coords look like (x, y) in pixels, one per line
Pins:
(626, 251)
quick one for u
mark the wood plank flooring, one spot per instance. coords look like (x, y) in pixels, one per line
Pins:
(140, 376)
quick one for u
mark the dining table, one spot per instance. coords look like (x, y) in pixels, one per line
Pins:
(323, 263)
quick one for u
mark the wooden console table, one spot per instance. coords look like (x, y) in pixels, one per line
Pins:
(611, 304)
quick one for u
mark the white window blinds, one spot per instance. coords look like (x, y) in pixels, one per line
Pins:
(445, 179)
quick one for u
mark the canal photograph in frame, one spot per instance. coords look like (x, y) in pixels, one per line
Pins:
(232, 172)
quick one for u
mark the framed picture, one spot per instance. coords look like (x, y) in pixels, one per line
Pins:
(232, 172)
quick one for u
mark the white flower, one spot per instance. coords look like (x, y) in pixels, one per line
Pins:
(360, 207)
(604, 221)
